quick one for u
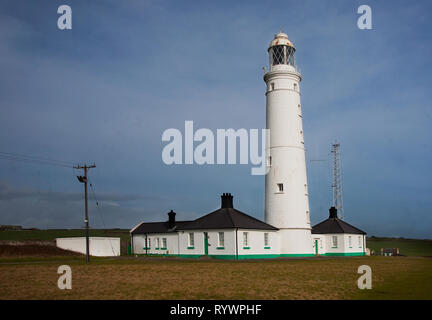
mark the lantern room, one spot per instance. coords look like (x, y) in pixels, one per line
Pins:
(281, 51)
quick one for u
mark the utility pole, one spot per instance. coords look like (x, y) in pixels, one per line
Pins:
(337, 184)
(83, 179)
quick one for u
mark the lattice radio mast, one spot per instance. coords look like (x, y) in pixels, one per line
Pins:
(337, 185)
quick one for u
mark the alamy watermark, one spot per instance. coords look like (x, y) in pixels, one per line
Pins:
(365, 281)
(65, 280)
(365, 20)
(181, 149)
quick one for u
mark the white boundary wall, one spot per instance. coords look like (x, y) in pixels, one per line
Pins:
(99, 246)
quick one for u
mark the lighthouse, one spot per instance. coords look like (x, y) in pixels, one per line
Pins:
(286, 189)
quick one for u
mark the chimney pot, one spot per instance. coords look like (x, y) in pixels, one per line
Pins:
(227, 200)
(171, 219)
(333, 212)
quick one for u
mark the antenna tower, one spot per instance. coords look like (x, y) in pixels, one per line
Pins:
(337, 185)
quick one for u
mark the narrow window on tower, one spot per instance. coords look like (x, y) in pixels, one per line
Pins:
(269, 161)
(272, 86)
(295, 86)
(280, 187)
(307, 217)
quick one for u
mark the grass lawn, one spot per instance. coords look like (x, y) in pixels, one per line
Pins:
(171, 278)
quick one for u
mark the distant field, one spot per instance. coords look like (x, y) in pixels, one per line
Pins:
(172, 278)
(52, 234)
(408, 247)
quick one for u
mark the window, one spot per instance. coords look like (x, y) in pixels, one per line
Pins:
(278, 55)
(295, 86)
(266, 240)
(245, 240)
(269, 161)
(350, 241)
(164, 243)
(280, 187)
(157, 243)
(307, 217)
(221, 240)
(148, 245)
(272, 86)
(359, 242)
(191, 240)
(334, 241)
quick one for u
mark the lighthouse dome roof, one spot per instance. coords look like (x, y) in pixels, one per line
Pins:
(281, 39)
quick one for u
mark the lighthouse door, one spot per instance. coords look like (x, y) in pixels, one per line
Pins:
(316, 246)
(206, 243)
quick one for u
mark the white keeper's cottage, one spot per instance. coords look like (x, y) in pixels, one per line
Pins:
(231, 234)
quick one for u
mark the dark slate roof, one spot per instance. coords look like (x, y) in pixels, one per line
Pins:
(227, 218)
(335, 225)
(157, 227)
(224, 218)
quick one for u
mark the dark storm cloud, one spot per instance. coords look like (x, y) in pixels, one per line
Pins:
(106, 90)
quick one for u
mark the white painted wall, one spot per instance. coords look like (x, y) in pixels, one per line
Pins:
(178, 243)
(356, 243)
(256, 242)
(343, 245)
(99, 246)
(138, 241)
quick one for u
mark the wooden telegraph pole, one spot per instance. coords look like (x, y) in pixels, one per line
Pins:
(83, 179)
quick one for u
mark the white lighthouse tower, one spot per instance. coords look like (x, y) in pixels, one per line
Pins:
(286, 198)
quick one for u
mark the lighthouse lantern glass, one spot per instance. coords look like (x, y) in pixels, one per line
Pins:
(281, 55)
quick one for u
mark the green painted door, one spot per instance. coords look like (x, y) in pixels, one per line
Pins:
(205, 243)
(316, 247)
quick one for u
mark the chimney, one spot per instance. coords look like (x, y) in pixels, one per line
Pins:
(333, 212)
(171, 219)
(227, 200)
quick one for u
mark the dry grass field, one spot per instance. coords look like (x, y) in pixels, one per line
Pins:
(170, 278)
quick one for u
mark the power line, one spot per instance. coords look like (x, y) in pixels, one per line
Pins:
(37, 160)
(97, 203)
(100, 213)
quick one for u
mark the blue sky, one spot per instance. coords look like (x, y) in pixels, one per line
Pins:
(106, 90)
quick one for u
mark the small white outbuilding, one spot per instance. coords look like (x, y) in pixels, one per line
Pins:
(99, 246)
(335, 237)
